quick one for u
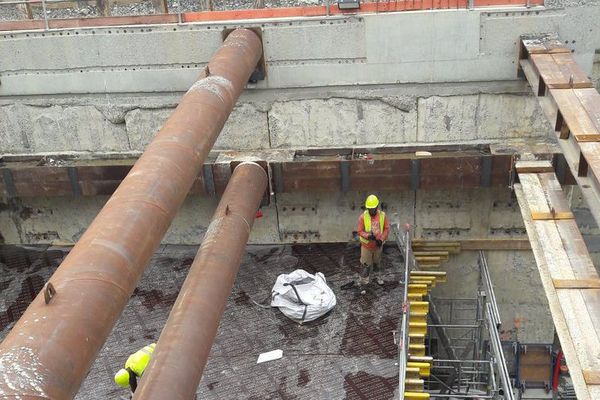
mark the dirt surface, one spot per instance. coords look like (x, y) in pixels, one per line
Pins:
(144, 7)
(347, 354)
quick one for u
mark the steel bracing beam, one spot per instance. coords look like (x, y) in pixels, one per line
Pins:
(186, 340)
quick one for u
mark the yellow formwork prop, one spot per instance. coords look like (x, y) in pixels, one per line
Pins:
(417, 288)
(414, 296)
(424, 367)
(416, 349)
(413, 373)
(416, 396)
(414, 385)
(419, 317)
(439, 276)
(416, 338)
(417, 327)
(432, 267)
(419, 306)
(424, 359)
(429, 282)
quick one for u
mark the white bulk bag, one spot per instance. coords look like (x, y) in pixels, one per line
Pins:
(301, 296)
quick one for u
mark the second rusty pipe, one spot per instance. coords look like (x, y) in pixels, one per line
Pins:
(185, 342)
(49, 351)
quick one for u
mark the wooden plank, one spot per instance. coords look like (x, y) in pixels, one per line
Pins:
(443, 254)
(576, 283)
(548, 71)
(591, 377)
(554, 194)
(495, 244)
(426, 259)
(553, 215)
(575, 117)
(560, 71)
(573, 243)
(591, 153)
(591, 298)
(555, 308)
(559, 258)
(590, 100)
(530, 74)
(428, 274)
(575, 76)
(542, 43)
(524, 167)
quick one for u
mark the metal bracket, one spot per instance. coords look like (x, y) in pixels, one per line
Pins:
(49, 292)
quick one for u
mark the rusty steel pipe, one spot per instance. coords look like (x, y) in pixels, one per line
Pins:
(51, 348)
(185, 342)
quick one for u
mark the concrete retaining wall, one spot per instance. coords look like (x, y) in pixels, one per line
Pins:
(267, 119)
(293, 217)
(407, 47)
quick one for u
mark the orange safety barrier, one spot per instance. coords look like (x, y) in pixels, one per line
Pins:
(262, 13)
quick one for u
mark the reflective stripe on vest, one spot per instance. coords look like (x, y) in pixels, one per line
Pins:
(367, 223)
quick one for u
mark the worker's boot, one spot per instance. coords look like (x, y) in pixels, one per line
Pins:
(378, 269)
(364, 277)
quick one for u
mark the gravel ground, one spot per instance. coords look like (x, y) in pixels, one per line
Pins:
(144, 7)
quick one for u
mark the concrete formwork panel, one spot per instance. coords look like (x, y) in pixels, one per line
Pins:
(57, 129)
(246, 128)
(404, 47)
(296, 119)
(480, 117)
(114, 47)
(292, 217)
(337, 121)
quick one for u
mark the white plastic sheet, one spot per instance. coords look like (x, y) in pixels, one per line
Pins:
(301, 296)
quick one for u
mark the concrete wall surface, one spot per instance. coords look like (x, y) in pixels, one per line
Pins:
(282, 119)
(420, 46)
(523, 306)
(291, 217)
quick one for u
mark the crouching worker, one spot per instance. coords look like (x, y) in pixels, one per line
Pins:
(134, 367)
(373, 230)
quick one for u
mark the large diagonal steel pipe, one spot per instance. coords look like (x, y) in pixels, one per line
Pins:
(51, 348)
(185, 342)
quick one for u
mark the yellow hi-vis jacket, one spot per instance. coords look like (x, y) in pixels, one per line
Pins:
(138, 361)
(367, 221)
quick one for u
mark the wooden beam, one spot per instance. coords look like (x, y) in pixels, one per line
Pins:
(534, 166)
(568, 276)
(591, 377)
(495, 244)
(552, 215)
(576, 283)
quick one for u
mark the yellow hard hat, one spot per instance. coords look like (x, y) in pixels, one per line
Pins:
(372, 201)
(122, 378)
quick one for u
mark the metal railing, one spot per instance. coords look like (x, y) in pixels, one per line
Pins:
(486, 283)
(498, 354)
(472, 328)
(401, 338)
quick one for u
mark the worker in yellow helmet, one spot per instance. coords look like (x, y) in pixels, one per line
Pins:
(134, 367)
(373, 231)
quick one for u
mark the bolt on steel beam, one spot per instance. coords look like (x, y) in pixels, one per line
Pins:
(185, 342)
(51, 348)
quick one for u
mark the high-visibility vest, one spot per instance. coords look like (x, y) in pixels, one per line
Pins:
(138, 361)
(367, 222)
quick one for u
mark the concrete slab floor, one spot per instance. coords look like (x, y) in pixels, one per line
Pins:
(348, 354)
